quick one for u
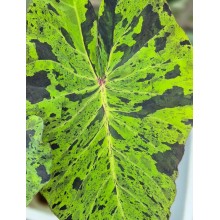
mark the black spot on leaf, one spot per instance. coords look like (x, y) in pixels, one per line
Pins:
(113, 211)
(114, 191)
(36, 94)
(115, 134)
(168, 61)
(141, 183)
(101, 142)
(147, 215)
(50, 7)
(124, 100)
(160, 43)
(94, 208)
(77, 183)
(185, 42)
(108, 166)
(56, 204)
(167, 9)
(47, 123)
(148, 77)
(72, 145)
(115, 77)
(56, 73)
(39, 79)
(173, 73)
(88, 165)
(137, 149)
(101, 207)
(67, 37)
(167, 162)
(152, 198)
(117, 158)
(41, 29)
(69, 217)
(54, 146)
(57, 174)
(79, 97)
(144, 138)
(64, 109)
(63, 207)
(60, 88)
(29, 134)
(170, 126)
(121, 167)
(44, 51)
(124, 22)
(130, 177)
(41, 171)
(188, 122)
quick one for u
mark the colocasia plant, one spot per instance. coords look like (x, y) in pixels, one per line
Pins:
(109, 107)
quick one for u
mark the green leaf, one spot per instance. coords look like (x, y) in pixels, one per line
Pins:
(116, 100)
(38, 161)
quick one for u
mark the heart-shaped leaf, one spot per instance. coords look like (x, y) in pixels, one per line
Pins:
(115, 94)
(38, 161)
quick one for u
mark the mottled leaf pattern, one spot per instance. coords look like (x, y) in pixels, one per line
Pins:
(115, 94)
(38, 161)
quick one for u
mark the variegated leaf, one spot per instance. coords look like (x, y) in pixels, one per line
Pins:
(116, 98)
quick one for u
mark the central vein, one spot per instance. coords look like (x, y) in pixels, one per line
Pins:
(110, 146)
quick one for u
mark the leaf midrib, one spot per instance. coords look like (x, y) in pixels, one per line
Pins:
(110, 148)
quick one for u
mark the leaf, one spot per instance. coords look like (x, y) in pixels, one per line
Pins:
(38, 161)
(116, 100)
